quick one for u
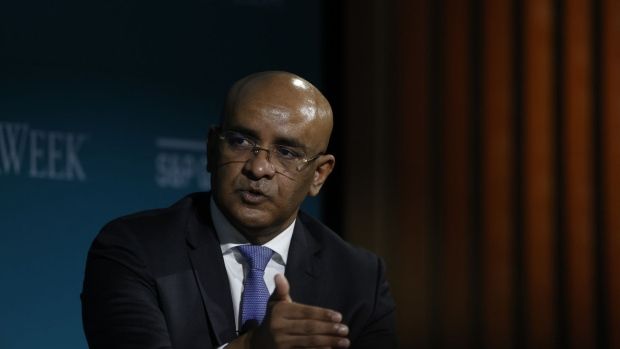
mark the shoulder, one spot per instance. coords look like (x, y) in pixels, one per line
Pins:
(161, 219)
(154, 240)
(157, 230)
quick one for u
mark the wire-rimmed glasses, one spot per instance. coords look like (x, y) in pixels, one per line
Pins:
(239, 147)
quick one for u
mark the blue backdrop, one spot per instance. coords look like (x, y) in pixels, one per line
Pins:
(104, 110)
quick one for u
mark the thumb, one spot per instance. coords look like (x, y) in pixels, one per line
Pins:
(281, 292)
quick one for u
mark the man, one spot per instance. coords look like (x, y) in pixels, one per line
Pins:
(185, 276)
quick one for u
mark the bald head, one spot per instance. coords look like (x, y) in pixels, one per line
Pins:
(285, 95)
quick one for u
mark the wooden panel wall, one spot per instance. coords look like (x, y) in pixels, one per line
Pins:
(454, 124)
(482, 162)
(498, 173)
(609, 149)
(538, 187)
(577, 157)
(413, 282)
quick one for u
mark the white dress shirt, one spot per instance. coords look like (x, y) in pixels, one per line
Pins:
(236, 266)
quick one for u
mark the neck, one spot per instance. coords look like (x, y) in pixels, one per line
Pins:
(261, 236)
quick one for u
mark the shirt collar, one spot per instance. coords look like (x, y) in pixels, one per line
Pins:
(230, 237)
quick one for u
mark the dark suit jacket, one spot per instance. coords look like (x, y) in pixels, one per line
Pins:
(156, 279)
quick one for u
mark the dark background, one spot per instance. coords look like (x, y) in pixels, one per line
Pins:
(112, 79)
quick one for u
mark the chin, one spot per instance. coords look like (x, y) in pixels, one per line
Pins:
(253, 218)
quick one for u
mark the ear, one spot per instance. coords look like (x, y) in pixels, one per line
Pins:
(212, 140)
(325, 167)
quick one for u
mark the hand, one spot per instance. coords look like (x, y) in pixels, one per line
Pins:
(292, 325)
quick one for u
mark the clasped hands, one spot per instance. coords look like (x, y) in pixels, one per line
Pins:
(293, 325)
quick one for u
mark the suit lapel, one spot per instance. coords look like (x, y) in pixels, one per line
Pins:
(210, 272)
(304, 267)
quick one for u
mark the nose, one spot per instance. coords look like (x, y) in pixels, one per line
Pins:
(259, 165)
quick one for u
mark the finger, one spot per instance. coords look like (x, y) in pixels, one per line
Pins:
(281, 292)
(312, 327)
(298, 311)
(316, 342)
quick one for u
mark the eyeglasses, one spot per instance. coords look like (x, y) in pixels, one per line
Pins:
(239, 147)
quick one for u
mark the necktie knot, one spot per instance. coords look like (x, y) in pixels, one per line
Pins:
(256, 256)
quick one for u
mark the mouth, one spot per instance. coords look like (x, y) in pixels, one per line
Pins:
(253, 196)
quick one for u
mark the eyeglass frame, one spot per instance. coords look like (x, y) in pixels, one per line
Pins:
(256, 147)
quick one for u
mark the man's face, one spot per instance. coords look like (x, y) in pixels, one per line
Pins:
(256, 197)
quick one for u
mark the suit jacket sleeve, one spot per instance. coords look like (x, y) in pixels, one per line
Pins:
(119, 299)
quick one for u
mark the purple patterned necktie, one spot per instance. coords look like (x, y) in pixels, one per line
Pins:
(255, 292)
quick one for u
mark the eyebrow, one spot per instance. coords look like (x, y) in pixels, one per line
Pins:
(287, 141)
(290, 142)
